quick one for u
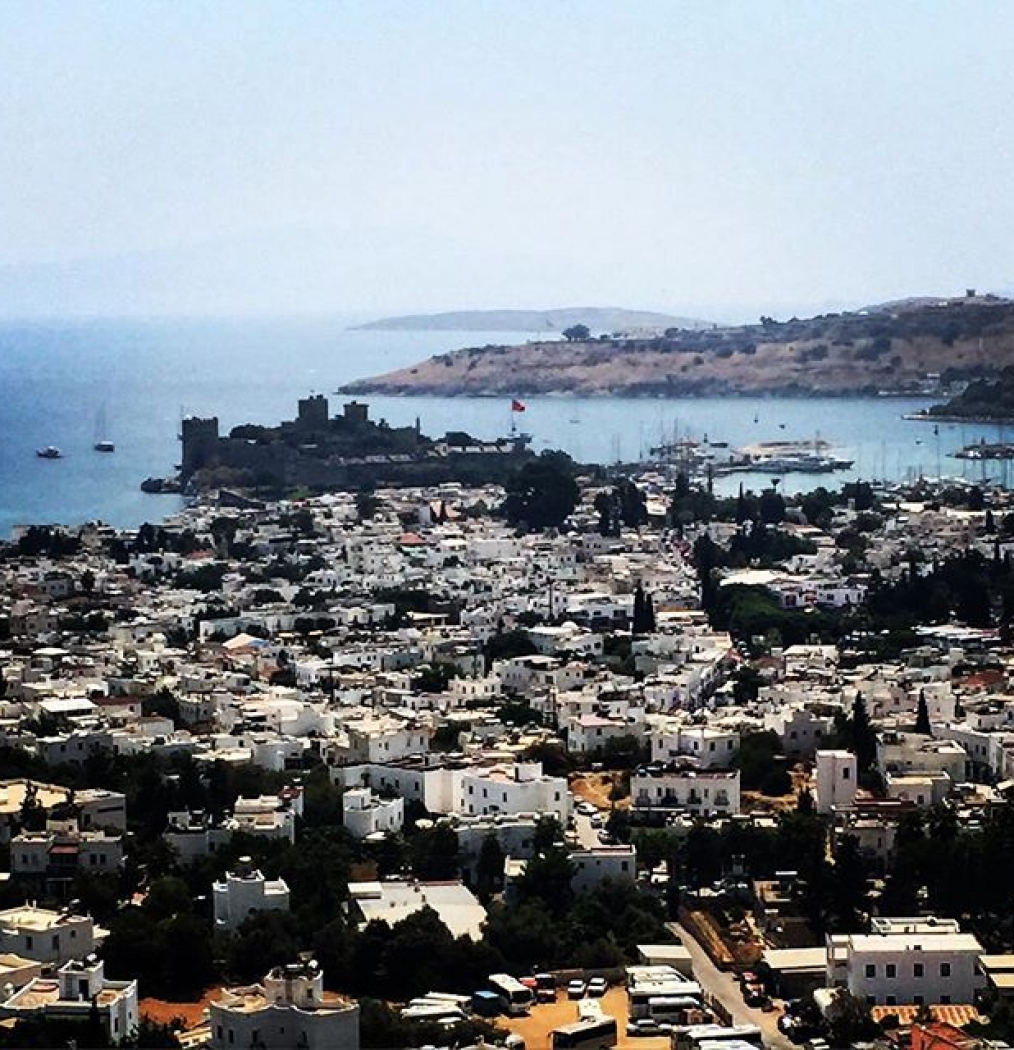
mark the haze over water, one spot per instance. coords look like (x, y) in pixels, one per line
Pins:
(58, 376)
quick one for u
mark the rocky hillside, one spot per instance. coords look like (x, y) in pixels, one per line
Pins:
(934, 347)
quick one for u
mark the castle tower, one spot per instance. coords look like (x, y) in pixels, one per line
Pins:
(357, 412)
(313, 413)
(200, 444)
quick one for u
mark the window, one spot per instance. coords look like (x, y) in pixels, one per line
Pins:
(918, 1000)
(917, 970)
(945, 1000)
(871, 969)
(945, 969)
(891, 1000)
(846, 773)
(892, 971)
(28, 943)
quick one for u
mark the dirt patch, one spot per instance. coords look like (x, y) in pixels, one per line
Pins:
(162, 1011)
(733, 946)
(535, 1029)
(597, 787)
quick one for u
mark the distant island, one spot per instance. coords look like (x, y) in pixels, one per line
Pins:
(983, 400)
(597, 318)
(924, 347)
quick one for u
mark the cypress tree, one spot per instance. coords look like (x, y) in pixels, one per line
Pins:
(649, 614)
(922, 718)
(864, 738)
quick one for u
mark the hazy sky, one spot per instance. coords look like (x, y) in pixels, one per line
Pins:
(698, 157)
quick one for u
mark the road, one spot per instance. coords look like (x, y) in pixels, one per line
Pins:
(587, 836)
(725, 988)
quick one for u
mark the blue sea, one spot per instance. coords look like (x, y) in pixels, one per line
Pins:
(58, 378)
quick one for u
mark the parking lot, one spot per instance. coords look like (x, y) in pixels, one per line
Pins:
(535, 1028)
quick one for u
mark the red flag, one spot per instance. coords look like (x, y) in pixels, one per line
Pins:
(517, 406)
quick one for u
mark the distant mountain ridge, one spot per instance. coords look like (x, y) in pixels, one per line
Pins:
(597, 318)
(908, 349)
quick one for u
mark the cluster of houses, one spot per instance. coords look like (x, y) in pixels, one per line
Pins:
(391, 647)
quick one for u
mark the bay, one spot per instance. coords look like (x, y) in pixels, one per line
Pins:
(58, 377)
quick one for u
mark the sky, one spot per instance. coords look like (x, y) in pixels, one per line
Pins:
(711, 159)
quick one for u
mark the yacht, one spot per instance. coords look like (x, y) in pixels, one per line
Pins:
(49, 452)
(102, 443)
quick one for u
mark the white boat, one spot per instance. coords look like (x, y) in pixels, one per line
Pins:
(102, 443)
(49, 452)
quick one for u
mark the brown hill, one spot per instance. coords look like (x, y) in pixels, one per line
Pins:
(921, 350)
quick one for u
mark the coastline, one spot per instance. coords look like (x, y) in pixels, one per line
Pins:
(793, 393)
(980, 421)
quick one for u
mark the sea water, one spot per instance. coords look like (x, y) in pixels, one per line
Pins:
(59, 378)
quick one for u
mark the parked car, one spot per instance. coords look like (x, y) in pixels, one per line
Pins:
(596, 821)
(545, 984)
(576, 989)
(598, 986)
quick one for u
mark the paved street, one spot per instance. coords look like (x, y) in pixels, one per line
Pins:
(587, 836)
(725, 988)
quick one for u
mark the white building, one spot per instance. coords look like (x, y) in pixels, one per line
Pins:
(519, 787)
(835, 782)
(695, 790)
(924, 789)
(906, 962)
(913, 753)
(245, 892)
(594, 866)
(364, 813)
(79, 991)
(288, 1009)
(395, 899)
(709, 747)
(47, 936)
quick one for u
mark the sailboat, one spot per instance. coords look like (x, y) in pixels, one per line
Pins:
(102, 443)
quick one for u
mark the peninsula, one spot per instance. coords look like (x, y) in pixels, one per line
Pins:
(599, 318)
(913, 347)
(984, 400)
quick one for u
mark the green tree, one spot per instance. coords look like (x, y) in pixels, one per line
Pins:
(577, 333)
(489, 867)
(434, 854)
(542, 493)
(547, 881)
(850, 885)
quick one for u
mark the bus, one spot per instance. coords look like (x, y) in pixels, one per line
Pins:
(676, 1010)
(596, 1033)
(516, 997)
(640, 996)
(691, 1037)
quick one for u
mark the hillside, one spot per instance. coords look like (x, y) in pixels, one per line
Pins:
(597, 318)
(909, 351)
